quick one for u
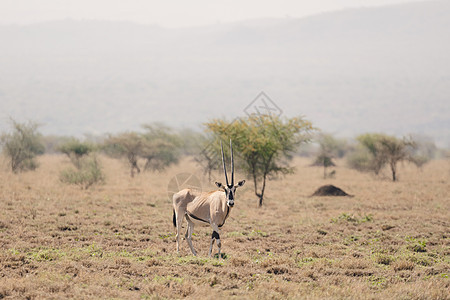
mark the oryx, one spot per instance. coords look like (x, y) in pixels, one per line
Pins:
(211, 208)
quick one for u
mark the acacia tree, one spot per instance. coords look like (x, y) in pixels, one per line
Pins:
(379, 150)
(22, 145)
(425, 149)
(329, 148)
(128, 145)
(75, 150)
(158, 146)
(395, 150)
(324, 160)
(264, 143)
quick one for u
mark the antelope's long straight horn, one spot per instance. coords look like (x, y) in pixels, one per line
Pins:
(223, 161)
(232, 164)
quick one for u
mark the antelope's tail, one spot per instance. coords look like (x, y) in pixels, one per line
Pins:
(174, 219)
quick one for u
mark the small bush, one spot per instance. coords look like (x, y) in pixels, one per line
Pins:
(88, 174)
(359, 160)
(22, 145)
(76, 150)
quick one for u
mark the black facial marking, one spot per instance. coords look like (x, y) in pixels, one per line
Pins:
(230, 191)
(215, 235)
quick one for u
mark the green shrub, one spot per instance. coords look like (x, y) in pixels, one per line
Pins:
(22, 145)
(88, 174)
(76, 150)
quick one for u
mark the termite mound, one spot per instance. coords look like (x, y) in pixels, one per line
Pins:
(330, 190)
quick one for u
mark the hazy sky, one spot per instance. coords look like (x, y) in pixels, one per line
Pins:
(170, 13)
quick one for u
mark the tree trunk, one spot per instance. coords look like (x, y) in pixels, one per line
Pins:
(138, 170)
(394, 171)
(134, 165)
(256, 188)
(15, 161)
(262, 190)
(259, 195)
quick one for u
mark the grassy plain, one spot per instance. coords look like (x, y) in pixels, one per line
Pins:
(116, 241)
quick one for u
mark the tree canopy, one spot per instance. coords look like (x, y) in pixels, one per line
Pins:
(265, 144)
(377, 150)
(157, 146)
(75, 150)
(329, 149)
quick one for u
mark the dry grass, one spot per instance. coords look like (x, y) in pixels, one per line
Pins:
(390, 241)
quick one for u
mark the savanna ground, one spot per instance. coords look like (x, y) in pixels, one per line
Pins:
(389, 241)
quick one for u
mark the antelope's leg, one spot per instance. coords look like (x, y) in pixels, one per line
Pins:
(215, 236)
(179, 218)
(212, 243)
(188, 235)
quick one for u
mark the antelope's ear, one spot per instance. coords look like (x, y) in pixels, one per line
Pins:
(219, 185)
(241, 183)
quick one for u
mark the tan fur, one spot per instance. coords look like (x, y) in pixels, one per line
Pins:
(210, 207)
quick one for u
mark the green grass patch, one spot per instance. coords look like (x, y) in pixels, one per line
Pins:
(167, 279)
(416, 245)
(45, 254)
(383, 259)
(351, 218)
(421, 259)
(378, 282)
(305, 261)
(235, 234)
(254, 233)
(351, 239)
(166, 236)
(217, 263)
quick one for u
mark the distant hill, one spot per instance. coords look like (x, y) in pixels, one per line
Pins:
(352, 71)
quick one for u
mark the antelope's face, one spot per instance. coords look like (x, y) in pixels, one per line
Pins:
(230, 191)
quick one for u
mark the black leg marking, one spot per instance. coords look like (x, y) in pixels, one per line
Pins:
(215, 235)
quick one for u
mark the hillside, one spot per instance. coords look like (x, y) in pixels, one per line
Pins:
(351, 71)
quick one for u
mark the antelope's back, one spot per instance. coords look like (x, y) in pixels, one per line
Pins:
(183, 197)
(205, 201)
